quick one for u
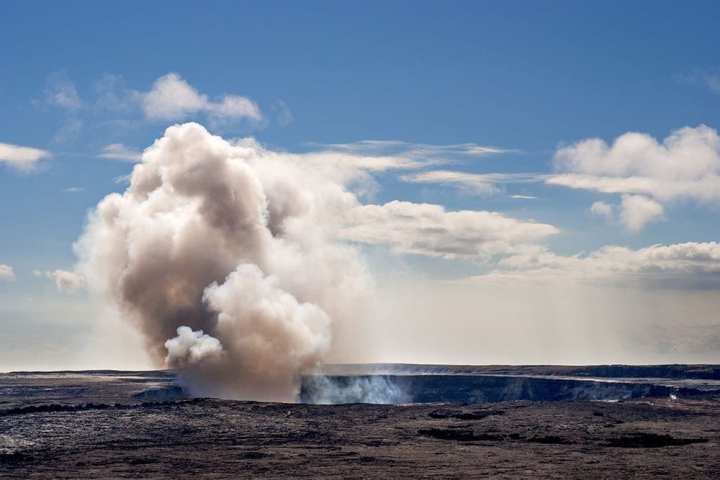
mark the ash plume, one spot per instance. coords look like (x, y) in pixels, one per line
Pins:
(223, 255)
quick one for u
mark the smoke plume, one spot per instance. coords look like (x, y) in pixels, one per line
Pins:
(224, 255)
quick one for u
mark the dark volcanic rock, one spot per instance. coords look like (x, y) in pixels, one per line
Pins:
(461, 415)
(550, 440)
(461, 435)
(226, 439)
(651, 440)
(165, 394)
(107, 432)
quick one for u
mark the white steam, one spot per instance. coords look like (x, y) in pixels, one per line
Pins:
(236, 263)
(191, 347)
(377, 389)
(234, 241)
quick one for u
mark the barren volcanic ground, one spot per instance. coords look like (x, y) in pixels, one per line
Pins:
(137, 425)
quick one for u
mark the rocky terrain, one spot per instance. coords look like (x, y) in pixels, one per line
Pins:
(137, 425)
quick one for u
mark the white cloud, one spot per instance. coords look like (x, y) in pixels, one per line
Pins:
(421, 153)
(172, 98)
(283, 114)
(419, 149)
(371, 163)
(426, 229)
(638, 211)
(111, 94)
(704, 190)
(6, 273)
(352, 169)
(234, 106)
(122, 179)
(524, 197)
(61, 92)
(73, 189)
(684, 166)
(712, 81)
(476, 183)
(69, 130)
(688, 153)
(685, 265)
(602, 209)
(64, 281)
(383, 155)
(118, 151)
(21, 158)
(706, 78)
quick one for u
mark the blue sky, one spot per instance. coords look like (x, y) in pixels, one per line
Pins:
(527, 78)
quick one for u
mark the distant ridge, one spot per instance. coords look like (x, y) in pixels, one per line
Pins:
(669, 371)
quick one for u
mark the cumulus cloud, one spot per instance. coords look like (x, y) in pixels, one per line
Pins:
(6, 272)
(684, 166)
(603, 209)
(637, 211)
(475, 183)
(118, 151)
(65, 281)
(21, 158)
(112, 104)
(426, 229)
(682, 265)
(172, 98)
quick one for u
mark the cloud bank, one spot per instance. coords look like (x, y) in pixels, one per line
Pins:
(689, 265)
(426, 229)
(649, 174)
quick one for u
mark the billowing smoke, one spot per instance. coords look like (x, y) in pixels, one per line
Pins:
(223, 255)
